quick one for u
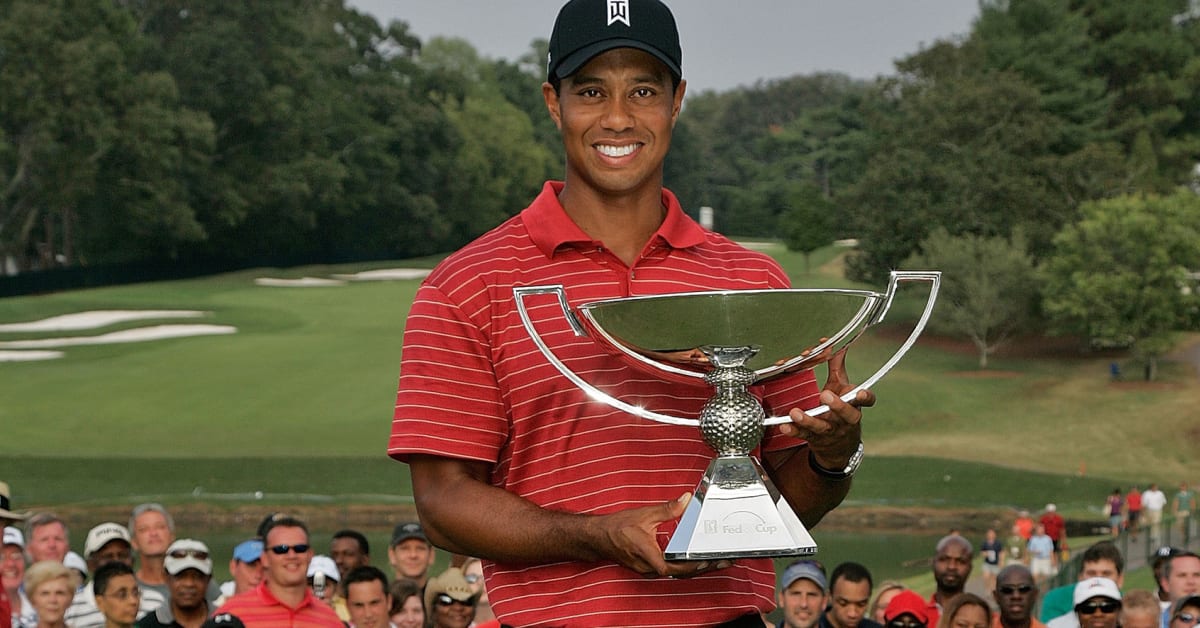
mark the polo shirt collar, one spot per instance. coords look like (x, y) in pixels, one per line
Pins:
(264, 593)
(549, 226)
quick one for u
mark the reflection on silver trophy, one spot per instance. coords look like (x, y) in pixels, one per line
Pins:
(730, 340)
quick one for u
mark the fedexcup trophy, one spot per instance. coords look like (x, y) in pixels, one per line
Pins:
(730, 340)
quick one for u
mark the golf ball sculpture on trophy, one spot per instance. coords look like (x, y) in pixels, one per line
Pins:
(730, 340)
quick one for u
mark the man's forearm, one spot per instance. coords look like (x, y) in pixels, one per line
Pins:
(810, 494)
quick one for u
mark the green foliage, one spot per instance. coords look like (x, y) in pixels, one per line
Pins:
(1120, 275)
(807, 222)
(988, 288)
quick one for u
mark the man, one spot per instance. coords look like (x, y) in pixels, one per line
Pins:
(6, 517)
(107, 543)
(349, 550)
(1041, 554)
(245, 567)
(283, 596)
(1101, 560)
(1139, 609)
(116, 595)
(46, 538)
(1153, 503)
(951, 569)
(849, 593)
(562, 497)
(1056, 528)
(189, 570)
(12, 576)
(1183, 505)
(992, 552)
(1097, 603)
(325, 582)
(410, 553)
(153, 531)
(801, 594)
(1024, 525)
(1014, 548)
(1180, 579)
(1016, 597)
(1133, 511)
(367, 597)
(1186, 613)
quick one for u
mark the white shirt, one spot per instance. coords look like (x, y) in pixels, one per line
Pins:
(83, 612)
(1154, 500)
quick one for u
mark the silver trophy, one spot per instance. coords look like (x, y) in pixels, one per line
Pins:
(730, 340)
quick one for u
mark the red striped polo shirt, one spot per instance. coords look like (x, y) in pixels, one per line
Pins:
(474, 386)
(259, 608)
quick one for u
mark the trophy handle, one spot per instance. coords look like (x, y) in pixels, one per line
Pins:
(519, 294)
(934, 278)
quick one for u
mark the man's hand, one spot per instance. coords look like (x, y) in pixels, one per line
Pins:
(628, 537)
(833, 436)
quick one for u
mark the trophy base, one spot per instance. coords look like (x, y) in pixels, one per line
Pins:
(736, 512)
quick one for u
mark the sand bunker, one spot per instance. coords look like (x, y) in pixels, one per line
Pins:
(140, 334)
(29, 356)
(387, 274)
(94, 319)
(303, 282)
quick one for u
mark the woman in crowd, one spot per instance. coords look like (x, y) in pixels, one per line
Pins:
(966, 610)
(884, 594)
(50, 588)
(408, 609)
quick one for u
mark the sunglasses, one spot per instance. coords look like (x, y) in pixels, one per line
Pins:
(1011, 589)
(472, 578)
(445, 600)
(299, 548)
(905, 623)
(1090, 608)
(1188, 619)
(182, 553)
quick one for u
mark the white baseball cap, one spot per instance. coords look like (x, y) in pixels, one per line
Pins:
(13, 536)
(102, 535)
(188, 554)
(1096, 587)
(325, 565)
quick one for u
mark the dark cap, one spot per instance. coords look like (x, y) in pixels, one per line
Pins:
(586, 28)
(223, 620)
(406, 531)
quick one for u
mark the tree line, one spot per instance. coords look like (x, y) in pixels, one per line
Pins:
(1028, 151)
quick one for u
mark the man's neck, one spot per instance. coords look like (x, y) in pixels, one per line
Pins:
(290, 596)
(1016, 623)
(151, 570)
(623, 223)
(941, 596)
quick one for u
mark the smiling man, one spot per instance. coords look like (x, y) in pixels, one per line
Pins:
(569, 502)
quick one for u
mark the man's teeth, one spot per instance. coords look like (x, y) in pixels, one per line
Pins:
(616, 151)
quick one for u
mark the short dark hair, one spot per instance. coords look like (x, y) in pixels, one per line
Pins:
(1104, 550)
(280, 521)
(363, 546)
(107, 572)
(852, 572)
(366, 573)
(401, 590)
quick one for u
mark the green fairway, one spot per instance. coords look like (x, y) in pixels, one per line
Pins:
(303, 392)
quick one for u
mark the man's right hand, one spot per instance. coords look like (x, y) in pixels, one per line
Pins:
(629, 538)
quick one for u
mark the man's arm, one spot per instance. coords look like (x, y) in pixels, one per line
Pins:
(463, 513)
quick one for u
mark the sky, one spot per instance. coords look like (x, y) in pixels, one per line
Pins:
(726, 43)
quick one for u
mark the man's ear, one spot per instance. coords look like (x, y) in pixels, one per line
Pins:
(550, 95)
(677, 106)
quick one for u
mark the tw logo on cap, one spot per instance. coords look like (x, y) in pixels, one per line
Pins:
(618, 11)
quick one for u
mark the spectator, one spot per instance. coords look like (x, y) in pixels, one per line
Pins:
(408, 604)
(283, 596)
(153, 530)
(7, 516)
(1133, 512)
(1016, 596)
(50, 587)
(1139, 609)
(801, 594)
(849, 592)
(1041, 554)
(1186, 613)
(1180, 579)
(1153, 503)
(887, 590)
(1097, 603)
(472, 570)
(1055, 528)
(1115, 508)
(108, 543)
(189, 570)
(12, 574)
(1014, 548)
(367, 597)
(1101, 560)
(46, 538)
(966, 610)
(116, 593)
(450, 600)
(325, 582)
(992, 550)
(951, 569)
(906, 610)
(410, 552)
(245, 567)
(350, 550)
(1024, 525)
(1183, 505)
(78, 566)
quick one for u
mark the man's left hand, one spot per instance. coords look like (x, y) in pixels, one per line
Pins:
(832, 437)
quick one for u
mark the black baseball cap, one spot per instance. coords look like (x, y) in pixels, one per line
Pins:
(406, 531)
(586, 28)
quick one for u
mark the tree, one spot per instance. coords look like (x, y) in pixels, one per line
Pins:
(807, 222)
(988, 286)
(1120, 275)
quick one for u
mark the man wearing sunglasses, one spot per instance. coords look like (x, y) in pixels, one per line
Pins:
(189, 570)
(1097, 603)
(1100, 560)
(283, 597)
(1186, 613)
(1016, 596)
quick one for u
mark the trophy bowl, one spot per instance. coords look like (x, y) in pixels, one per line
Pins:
(730, 340)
